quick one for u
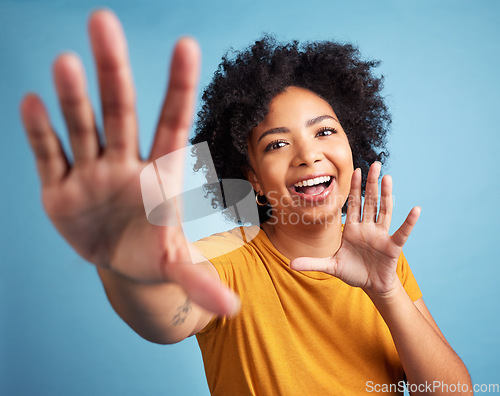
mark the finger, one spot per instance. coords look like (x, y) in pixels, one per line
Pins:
(385, 212)
(178, 108)
(371, 194)
(69, 78)
(205, 290)
(354, 203)
(201, 287)
(51, 161)
(402, 234)
(326, 264)
(115, 84)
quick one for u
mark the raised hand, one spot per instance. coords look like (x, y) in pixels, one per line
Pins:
(95, 202)
(368, 255)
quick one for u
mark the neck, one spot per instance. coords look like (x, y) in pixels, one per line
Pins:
(300, 240)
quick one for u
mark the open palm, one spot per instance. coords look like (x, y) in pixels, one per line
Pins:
(368, 255)
(95, 202)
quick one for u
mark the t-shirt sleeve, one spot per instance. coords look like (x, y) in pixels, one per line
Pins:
(225, 251)
(228, 254)
(407, 279)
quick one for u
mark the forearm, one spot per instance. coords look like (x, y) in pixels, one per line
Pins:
(425, 356)
(159, 312)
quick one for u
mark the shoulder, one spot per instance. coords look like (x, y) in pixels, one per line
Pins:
(224, 243)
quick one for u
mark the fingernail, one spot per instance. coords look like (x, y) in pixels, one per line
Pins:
(236, 305)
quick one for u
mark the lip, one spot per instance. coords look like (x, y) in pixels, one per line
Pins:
(311, 176)
(314, 198)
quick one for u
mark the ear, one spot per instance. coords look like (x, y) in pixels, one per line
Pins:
(252, 178)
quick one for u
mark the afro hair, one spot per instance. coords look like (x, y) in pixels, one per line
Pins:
(238, 99)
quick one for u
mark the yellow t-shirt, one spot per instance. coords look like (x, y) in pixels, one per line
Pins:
(298, 333)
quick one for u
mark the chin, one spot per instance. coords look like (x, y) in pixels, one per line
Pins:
(310, 217)
(325, 219)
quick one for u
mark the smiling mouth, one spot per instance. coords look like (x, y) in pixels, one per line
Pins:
(313, 186)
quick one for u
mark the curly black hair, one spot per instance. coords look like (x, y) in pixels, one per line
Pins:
(238, 99)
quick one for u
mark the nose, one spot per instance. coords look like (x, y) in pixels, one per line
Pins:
(307, 153)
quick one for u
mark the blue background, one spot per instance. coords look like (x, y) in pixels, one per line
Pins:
(58, 333)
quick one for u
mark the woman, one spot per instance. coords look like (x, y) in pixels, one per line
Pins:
(300, 160)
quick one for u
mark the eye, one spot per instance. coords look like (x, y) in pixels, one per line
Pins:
(326, 131)
(276, 145)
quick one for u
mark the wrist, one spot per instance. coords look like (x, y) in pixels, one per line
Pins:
(387, 296)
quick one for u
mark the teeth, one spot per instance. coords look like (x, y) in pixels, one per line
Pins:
(312, 182)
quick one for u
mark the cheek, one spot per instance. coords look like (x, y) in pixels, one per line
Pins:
(272, 174)
(341, 156)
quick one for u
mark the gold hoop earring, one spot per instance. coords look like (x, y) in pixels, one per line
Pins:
(260, 203)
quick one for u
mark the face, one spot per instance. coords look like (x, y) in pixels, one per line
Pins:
(301, 159)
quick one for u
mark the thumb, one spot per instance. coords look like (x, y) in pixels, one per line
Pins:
(324, 264)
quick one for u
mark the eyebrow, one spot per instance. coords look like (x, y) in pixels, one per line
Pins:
(309, 123)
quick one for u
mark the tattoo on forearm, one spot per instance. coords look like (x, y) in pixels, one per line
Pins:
(182, 313)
